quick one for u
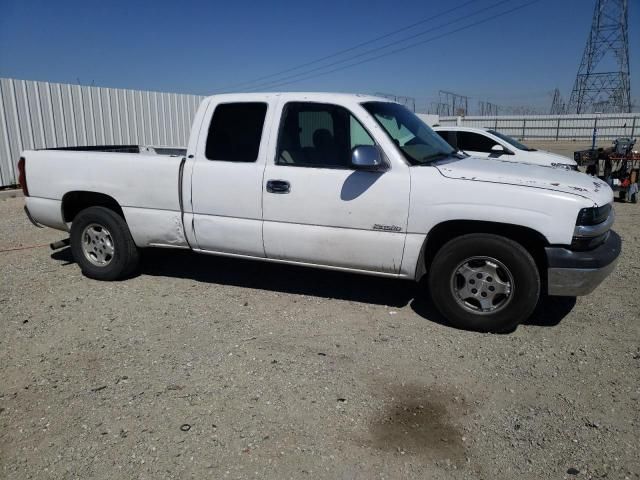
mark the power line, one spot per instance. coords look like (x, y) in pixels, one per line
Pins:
(373, 50)
(354, 47)
(397, 50)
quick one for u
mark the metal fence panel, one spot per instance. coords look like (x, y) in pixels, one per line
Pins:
(49, 115)
(5, 147)
(58, 115)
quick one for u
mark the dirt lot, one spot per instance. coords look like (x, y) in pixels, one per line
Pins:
(206, 367)
(565, 147)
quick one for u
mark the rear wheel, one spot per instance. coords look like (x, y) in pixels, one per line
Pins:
(484, 282)
(102, 245)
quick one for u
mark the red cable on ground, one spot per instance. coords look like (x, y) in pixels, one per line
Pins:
(23, 248)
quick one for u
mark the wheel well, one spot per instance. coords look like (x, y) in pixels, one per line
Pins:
(74, 202)
(530, 239)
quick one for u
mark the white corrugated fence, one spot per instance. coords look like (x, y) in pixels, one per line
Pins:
(47, 115)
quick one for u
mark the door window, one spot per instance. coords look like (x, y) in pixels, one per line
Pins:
(359, 136)
(319, 135)
(474, 142)
(449, 137)
(235, 132)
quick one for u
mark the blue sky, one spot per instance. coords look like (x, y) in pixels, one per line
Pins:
(204, 47)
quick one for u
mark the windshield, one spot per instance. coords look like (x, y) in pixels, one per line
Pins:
(417, 142)
(512, 141)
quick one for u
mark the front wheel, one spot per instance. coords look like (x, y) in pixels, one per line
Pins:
(484, 282)
(102, 245)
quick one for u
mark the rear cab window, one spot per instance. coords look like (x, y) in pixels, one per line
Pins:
(235, 132)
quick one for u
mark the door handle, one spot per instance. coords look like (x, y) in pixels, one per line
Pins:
(278, 186)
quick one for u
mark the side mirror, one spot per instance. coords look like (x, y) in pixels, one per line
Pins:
(366, 157)
(497, 148)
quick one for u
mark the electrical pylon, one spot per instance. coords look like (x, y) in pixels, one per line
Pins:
(602, 83)
(557, 105)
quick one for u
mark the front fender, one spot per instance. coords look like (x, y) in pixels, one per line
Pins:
(435, 200)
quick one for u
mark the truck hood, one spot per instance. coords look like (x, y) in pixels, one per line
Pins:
(526, 175)
(550, 158)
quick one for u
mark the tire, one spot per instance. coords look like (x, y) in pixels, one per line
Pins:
(475, 260)
(102, 245)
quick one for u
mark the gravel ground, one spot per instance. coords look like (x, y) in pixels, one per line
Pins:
(209, 367)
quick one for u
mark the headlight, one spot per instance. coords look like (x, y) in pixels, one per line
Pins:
(593, 215)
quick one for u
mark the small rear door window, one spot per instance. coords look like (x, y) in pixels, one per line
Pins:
(235, 132)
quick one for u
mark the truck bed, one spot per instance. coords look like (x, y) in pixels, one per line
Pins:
(145, 149)
(145, 186)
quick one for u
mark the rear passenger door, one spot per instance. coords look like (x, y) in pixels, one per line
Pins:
(319, 210)
(227, 178)
(474, 144)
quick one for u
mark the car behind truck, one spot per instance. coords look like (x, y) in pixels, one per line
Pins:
(338, 181)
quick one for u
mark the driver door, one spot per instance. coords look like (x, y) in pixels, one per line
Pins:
(317, 209)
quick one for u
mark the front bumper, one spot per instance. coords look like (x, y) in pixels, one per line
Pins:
(572, 273)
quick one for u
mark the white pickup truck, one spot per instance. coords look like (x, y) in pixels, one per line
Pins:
(345, 182)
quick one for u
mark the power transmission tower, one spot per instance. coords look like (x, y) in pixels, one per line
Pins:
(602, 83)
(557, 105)
(487, 109)
(453, 104)
(438, 108)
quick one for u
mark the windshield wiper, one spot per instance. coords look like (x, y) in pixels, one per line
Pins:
(436, 156)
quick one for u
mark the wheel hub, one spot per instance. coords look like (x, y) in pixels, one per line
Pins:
(97, 245)
(482, 285)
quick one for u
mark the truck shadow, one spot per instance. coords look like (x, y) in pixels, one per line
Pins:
(312, 282)
(548, 313)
